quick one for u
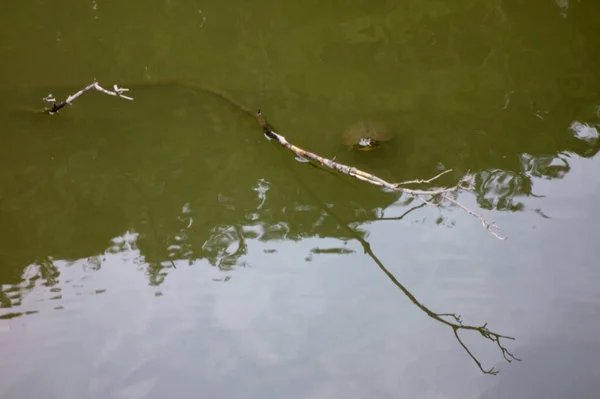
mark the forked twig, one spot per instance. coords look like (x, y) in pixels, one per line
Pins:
(485, 333)
(117, 92)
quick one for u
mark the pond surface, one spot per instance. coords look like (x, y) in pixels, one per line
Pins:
(163, 247)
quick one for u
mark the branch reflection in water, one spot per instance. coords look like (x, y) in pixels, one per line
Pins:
(452, 320)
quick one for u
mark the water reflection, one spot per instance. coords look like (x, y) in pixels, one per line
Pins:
(224, 249)
(186, 209)
(451, 320)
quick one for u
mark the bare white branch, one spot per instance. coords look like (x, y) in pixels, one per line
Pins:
(491, 227)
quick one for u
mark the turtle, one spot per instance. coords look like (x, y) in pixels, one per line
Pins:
(366, 136)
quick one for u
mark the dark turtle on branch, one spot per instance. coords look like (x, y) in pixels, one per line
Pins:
(366, 136)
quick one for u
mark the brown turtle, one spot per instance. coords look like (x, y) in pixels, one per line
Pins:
(366, 136)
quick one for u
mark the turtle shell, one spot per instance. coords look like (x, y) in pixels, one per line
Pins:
(366, 135)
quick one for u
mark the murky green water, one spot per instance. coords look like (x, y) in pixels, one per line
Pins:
(164, 248)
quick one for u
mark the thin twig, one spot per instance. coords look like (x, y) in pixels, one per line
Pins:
(453, 315)
(421, 181)
(489, 226)
(429, 202)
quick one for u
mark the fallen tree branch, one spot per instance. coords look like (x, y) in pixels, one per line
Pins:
(118, 92)
(369, 178)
